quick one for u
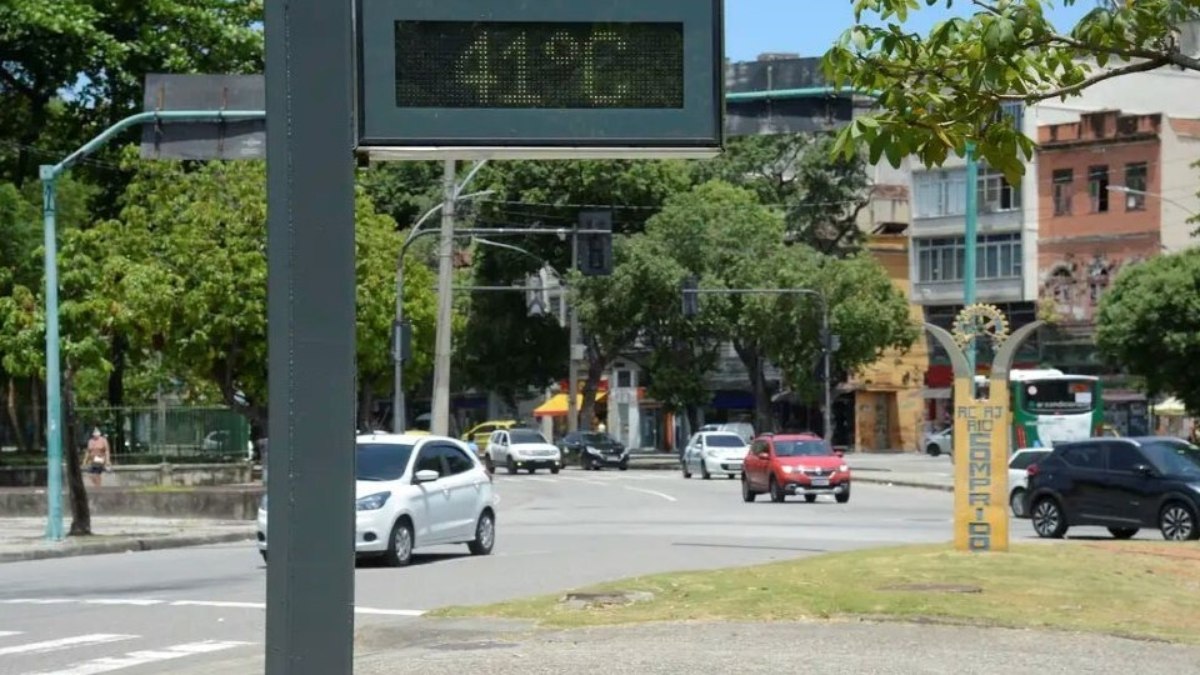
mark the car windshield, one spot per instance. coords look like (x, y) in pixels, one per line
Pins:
(520, 436)
(595, 437)
(381, 461)
(1022, 460)
(802, 449)
(724, 441)
(1175, 458)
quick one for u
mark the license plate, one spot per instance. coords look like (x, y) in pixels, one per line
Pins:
(820, 482)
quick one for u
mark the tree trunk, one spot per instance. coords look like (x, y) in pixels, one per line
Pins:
(14, 418)
(81, 514)
(116, 392)
(595, 371)
(365, 403)
(35, 396)
(764, 418)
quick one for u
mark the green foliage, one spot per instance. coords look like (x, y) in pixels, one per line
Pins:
(941, 90)
(820, 197)
(1149, 323)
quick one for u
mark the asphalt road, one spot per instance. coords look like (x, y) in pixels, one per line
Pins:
(197, 608)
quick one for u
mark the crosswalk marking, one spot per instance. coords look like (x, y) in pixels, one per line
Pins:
(108, 664)
(63, 643)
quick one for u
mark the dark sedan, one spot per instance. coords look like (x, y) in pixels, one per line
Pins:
(595, 450)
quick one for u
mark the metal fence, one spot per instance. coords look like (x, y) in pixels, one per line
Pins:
(152, 435)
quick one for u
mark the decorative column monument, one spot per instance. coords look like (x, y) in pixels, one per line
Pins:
(981, 427)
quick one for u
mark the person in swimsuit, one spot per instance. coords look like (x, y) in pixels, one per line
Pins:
(98, 457)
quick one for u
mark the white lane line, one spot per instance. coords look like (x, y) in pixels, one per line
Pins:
(388, 612)
(108, 664)
(64, 643)
(136, 602)
(590, 482)
(217, 603)
(9, 633)
(541, 480)
(38, 601)
(656, 493)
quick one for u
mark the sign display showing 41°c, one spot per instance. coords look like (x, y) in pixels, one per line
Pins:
(535, 79)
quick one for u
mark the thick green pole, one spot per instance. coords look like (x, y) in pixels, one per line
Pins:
(969, 273)
(49, 174)
(54, 449)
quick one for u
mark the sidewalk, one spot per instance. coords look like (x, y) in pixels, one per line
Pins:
(24, 538)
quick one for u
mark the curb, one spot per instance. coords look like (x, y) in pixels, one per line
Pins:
(126, 545)
(905, 483)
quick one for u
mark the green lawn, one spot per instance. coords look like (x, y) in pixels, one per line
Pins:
(1135, 589)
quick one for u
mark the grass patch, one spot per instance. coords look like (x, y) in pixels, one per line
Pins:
(1134, 589)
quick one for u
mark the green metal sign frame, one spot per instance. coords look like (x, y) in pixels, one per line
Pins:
(386, 129)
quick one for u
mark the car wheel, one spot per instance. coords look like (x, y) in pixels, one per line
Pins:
(1178, 522)
(485, 535)
(623, 466)
(511, 466)
(1048, 519)
(554, 470)
(1016, 501)
(1122, 532)
(933, 450)
(532, 470)
(748, 495)
(400, 544)
(810, 498)
(777, 495)
(684, 466)
(843, 497)
(704, 471)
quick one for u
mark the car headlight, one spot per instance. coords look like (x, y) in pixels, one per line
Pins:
(372, 502)
(791, 469)
(592, 450)
(843, 468)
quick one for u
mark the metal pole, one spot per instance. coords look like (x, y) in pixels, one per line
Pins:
(442, 346)
(399, 414)
(827, 357)
(970, 242)
(572, 365)
(54, 449)
(310, 337)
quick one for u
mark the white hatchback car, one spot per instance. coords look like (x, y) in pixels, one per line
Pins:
(413, 492)
(1018, 477)
(517, 449)
(712, 453)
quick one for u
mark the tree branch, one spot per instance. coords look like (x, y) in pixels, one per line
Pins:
(1142, 67)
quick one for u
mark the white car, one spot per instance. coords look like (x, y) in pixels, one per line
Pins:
(517, 449)
(710, 453)
(939, 443)
(414, 492)
(1018, 479)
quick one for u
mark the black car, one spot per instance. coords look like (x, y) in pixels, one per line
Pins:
(595, 450)
(1123, 484)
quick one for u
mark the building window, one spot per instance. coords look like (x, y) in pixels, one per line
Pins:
(997, 256)
(996, 194)
(1098, 188)
(1064, 180)
(940, 193)
(1135, 180)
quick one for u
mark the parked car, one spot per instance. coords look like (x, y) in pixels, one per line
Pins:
(743, 429)
(414, 492)
(794, 464)
(1018, 478)
(1123, 484)
(714, 452)
(517, 449)
(482, 433)
(939, 443)
(595, 450)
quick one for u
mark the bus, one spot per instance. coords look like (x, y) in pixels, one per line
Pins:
(1048, 406)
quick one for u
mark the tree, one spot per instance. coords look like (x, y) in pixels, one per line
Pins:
(1149, 322)
(183, 273)
(820, 197)
(940, 90)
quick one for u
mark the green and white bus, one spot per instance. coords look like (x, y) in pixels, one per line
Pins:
(1048, 406)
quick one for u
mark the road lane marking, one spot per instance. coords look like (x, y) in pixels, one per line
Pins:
(9, 633)
(541, 479)
(136, 602)
(38, 601)
(589, 482)
(108, 664)
(656, 493)
(219, 603)
(64, 643)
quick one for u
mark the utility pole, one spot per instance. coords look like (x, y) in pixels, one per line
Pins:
(572, 362)
(970, 242)
(445, 299)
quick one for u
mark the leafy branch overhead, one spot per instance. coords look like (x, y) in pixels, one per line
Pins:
(939, 91)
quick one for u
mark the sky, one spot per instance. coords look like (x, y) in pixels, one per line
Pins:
(799, 27)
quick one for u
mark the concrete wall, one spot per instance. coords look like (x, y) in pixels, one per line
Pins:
(1180, 182)
(208, 503)
(180, 475)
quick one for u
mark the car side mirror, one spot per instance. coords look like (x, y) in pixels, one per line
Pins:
(426, 476)
(1145, 470)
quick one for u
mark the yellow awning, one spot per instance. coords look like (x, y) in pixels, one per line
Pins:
(557, 405)
(1172, 407)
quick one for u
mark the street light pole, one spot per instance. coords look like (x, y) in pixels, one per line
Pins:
(445, 299)
(572, 364)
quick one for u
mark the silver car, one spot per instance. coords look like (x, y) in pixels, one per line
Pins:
(711, 453)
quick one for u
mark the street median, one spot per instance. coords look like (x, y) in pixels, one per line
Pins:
(97, 545)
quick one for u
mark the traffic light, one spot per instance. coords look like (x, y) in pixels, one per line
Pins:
(595, 252)
(691, 299)
(401, 341)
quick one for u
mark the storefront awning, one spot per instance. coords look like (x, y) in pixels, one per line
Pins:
(1172, 407)
(557, 405)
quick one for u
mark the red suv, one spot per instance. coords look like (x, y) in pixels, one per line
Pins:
(794, 464)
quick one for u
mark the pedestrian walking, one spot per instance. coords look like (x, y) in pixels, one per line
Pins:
(98, 457)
